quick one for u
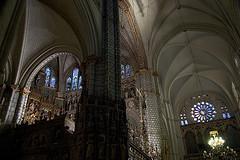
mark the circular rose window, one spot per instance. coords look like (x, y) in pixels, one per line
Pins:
(203, 112)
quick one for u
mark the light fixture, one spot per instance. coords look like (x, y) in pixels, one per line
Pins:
(218, 150)
(215, 140)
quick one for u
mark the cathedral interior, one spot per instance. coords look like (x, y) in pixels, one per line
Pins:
(119, 79)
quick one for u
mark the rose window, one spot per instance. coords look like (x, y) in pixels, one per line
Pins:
(203, 112)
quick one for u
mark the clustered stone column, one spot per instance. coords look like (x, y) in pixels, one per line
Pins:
(11, 15)
(22, 104)
(18, 97)
(12, 104)
(101, 127)
(172, 126)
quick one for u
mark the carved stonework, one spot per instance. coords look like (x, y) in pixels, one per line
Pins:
(137, 131)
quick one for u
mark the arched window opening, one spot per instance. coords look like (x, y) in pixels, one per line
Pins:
(46, 99)
(203, 112)
(47, 76)
(69, 84)
(126, 71)
(79, 82)
(74, 80)
(225, 112)
(53, 82)
(50, 80)
(183, 119)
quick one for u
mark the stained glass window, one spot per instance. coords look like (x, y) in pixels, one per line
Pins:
(225, 112)
(203, 112)
(47, 76)
(69, 83)
(74, 80)
(50, 80)
(183, 119)
(126, 71)
(80, 82)
(53, 82)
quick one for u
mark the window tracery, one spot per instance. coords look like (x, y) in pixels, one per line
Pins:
(126, 71)
(183, 119)
(53, 82)
(74, 80)
(47, 76)
(204, 108)
(69, 83)
(225, 112)
(50, 80)
(203, 112)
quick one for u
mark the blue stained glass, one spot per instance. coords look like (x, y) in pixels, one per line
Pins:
(182, 123)
(47, 76)
(80, 82)
(228, 115)
(183, 119)
(75, 72)
(69, 83)
(128, 70)
(74, 83)
(53, 82)
(203, 112)
(75, 79)
(224, 116)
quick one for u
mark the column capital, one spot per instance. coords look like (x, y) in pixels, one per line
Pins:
(15, 87)
(25, 91)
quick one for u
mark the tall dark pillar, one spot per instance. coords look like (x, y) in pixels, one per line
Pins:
(101, 126)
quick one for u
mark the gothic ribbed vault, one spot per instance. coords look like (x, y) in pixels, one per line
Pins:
(188, 45)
